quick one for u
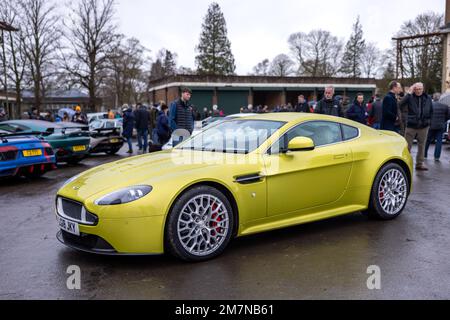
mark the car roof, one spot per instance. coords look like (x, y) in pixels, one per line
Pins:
(241, 115)
(297, 117)
(46, 124)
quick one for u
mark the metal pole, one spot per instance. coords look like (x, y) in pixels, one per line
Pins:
(446, 55)
(4, 71)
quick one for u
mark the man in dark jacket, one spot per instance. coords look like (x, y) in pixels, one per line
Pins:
(142, 123)
(376, 113)
(390, 108)
(358, 112)
(441, 114)
(163, 125)
(181, 115)
(329, 105)
(78, 117)
(302, 105)
(418, 108)
(128, 126)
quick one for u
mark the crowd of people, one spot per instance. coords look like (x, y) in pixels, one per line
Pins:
(411, 113)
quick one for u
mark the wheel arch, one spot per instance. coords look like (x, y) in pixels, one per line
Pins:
(214, 184)
(402, 164)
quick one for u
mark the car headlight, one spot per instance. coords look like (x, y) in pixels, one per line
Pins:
(122, 196)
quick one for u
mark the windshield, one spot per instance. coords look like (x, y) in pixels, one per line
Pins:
(96, 124)
(238, 136)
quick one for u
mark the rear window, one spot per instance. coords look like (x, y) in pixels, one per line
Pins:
(349, 132)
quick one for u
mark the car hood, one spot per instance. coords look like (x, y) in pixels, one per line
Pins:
(141, 170)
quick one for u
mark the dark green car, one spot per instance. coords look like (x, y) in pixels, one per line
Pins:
(70, 141)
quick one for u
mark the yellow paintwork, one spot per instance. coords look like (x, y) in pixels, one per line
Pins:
(297, 187)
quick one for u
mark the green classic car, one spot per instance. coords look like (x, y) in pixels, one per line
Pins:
(70, 141)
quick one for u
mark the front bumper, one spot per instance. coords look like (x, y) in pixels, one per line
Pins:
(128, 236)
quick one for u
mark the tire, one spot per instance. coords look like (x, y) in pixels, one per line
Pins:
(112, 152)
(35, 175)
(392, 183)
(75, 161)
(204, 230)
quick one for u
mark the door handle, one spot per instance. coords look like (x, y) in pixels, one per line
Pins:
(340, 156)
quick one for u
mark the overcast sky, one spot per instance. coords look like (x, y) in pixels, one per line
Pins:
(259, 29)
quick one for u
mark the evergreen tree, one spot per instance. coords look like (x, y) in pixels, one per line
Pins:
(169, 64)
(354, 50)
(214, 50)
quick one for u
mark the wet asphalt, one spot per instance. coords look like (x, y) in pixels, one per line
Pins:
(323, 260)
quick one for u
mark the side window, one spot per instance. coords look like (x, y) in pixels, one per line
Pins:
(349, 132)
(321, 132)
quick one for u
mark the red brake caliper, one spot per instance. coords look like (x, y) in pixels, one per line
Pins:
(213, 217)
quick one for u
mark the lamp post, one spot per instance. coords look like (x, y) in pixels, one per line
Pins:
(446, 55)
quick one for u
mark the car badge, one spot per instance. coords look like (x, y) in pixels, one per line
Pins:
(76, 188)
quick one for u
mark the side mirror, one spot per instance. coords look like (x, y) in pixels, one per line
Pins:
(301, 144)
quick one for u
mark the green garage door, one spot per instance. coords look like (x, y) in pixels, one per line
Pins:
(202, 99)
(231, 102)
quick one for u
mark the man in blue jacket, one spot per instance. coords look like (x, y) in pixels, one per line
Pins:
(181, 114)
(162, 126)
(390, 108)
(358, 111)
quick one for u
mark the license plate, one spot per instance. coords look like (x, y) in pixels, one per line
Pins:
(69, 226)
(32, 153)
(79, 148)
(114, 140)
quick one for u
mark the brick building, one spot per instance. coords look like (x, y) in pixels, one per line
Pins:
(231, 93)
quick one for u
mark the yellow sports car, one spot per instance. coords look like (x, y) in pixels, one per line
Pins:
(241, 177)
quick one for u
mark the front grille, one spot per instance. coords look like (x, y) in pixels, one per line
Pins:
(8, 155)
(87, 241)
(75, 211)
(72, 209)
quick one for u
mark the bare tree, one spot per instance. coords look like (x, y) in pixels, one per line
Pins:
(282, 66)
(186, 70)
(423, 57)
(14, 58)
(262, 68)
(41, 36)
(90, 35)
(317, 53)
(370, 60)
(127, 64)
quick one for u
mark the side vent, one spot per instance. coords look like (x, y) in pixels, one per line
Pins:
(249, 179)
